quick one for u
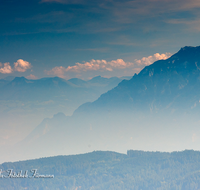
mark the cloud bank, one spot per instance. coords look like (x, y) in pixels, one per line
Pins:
(19, 66)
(145, 61)
(102, 66)
(6, 69)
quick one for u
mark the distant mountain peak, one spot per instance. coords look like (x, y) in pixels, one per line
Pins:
(186, 60)
(59, 115)
(187, 51)
(189, 48)
(97, 77)
(19, 80)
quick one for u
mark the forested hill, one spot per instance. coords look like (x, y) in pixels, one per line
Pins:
(104, 170)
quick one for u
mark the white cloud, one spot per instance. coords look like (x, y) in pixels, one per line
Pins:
(21, 65)
(151, 59)
(93, 65)
(58, 71)
(107, 66)
(31, 77)
(6, 69)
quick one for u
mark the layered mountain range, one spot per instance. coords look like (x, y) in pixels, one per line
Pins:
(25, 103)
(154, 110)
(51, 95)
(46, 89)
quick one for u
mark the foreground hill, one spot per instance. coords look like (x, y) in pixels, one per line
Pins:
(110, 171)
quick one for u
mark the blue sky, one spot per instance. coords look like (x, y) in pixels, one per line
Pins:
(85, 38)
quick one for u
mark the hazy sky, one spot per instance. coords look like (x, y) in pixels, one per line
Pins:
(85, 38)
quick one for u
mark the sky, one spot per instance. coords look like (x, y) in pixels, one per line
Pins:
(87, 38)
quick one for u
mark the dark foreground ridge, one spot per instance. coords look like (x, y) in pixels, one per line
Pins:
(105, 170)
